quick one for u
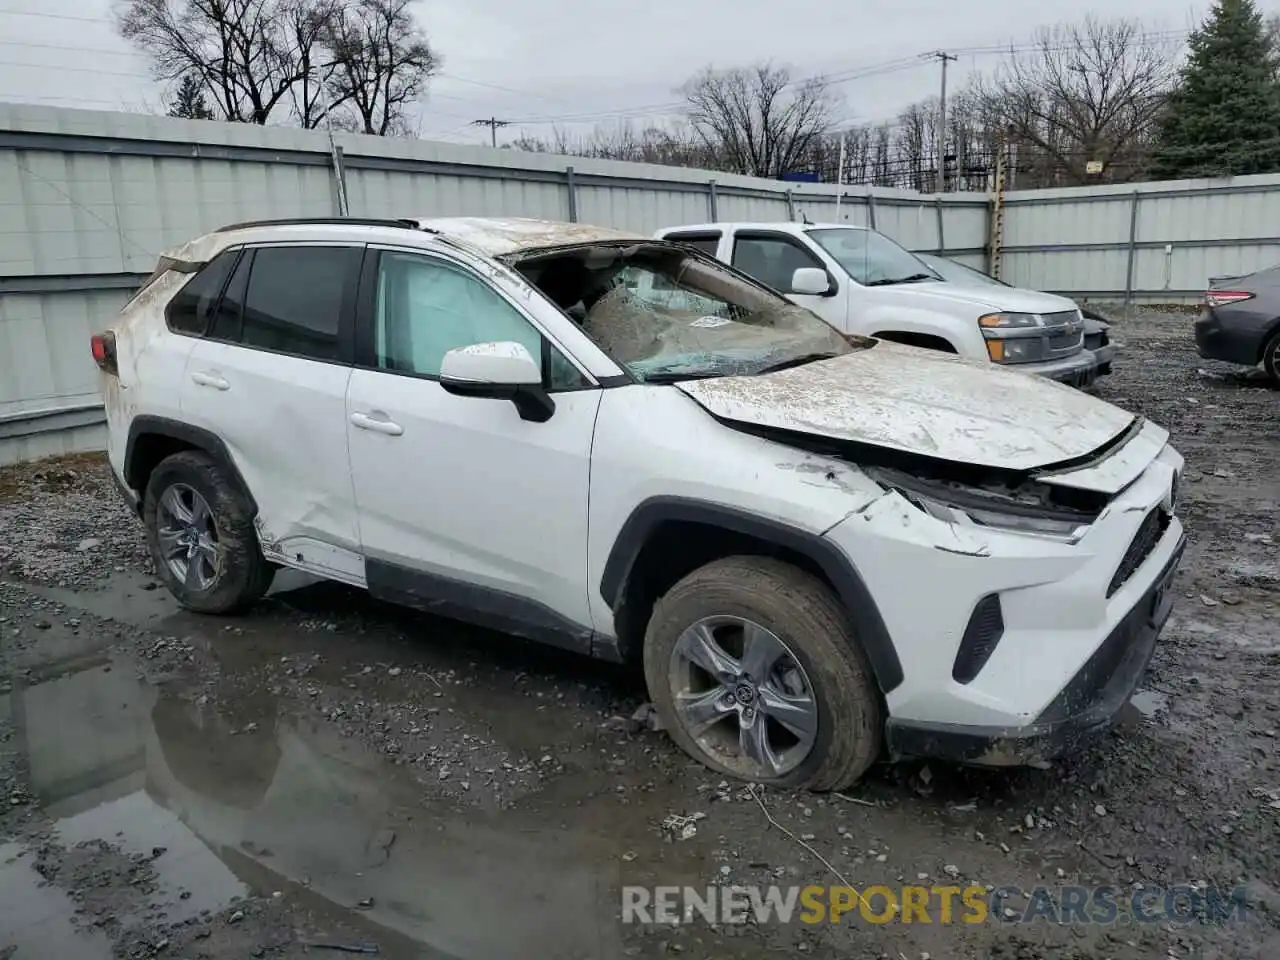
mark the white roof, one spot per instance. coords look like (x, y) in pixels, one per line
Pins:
(498, 236)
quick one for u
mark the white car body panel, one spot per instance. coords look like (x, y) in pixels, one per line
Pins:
(921, 401)
(1115, 472)
(290, 447)
(471, 492)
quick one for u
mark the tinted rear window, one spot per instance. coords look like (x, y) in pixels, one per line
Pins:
(189, 310)
(294, 300)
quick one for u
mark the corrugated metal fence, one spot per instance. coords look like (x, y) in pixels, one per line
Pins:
(88, 200)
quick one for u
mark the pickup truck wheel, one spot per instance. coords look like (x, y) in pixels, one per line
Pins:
(1271, 359)
(754, 670)
(201, 535)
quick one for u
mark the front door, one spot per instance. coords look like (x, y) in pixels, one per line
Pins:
(465, 508)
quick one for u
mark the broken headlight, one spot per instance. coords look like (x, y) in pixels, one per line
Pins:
(976, 507)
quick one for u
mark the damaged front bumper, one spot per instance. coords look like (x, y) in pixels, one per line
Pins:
(1087, 706)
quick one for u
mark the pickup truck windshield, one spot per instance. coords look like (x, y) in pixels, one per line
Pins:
(871, 258)
(666, 314)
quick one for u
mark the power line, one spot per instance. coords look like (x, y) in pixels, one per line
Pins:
(493, 123)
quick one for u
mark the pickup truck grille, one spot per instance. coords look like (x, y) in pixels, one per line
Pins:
(1065, 330)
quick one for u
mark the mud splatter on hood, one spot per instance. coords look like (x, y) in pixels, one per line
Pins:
(922, 402)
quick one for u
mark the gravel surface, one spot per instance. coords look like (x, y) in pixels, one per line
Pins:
(332, 770)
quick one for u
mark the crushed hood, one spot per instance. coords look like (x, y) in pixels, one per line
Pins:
(921, 402)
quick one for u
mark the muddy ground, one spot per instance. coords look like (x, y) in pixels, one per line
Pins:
(331, 772)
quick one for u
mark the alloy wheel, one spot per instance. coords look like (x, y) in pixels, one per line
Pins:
(188, 537)
(743, 696)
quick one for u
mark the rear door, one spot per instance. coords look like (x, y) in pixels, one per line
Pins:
(270, 378)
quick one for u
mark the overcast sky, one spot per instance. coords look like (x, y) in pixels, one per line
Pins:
(580, 63)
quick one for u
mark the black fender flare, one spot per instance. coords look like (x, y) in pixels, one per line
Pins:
(197, 437)
(829, 558)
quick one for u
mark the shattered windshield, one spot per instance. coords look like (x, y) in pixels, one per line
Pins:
(871, 258)
(666, 314)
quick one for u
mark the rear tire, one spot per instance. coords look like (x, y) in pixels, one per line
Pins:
(1271, 359)
(741, 598)
(201, 535)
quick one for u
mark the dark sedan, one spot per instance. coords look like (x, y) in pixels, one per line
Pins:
(1240, 321)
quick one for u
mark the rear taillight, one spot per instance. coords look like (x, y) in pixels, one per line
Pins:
(1221, 298)
(103, 346)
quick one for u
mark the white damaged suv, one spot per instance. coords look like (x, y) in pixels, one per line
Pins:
(824, 549)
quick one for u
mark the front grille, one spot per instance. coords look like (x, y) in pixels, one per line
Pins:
(1064, 341)
(1144, 541)
(1065, 330)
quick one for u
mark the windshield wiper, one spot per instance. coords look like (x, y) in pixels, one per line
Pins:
(674, 377)
(912, 278)
(795, 362)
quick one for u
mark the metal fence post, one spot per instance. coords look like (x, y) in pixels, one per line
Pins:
(942, 237)
(339, 177)
(1133, 240)
(791, 206)
(712, 203)
(871, 209)
(573, 194)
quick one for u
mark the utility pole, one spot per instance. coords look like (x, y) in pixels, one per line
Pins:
(493, 123)
(942, 57)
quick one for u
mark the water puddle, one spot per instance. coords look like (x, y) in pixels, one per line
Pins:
(225, 799)
(1147, 703)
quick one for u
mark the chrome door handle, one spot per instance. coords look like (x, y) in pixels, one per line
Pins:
(378, 424)
(210, 380)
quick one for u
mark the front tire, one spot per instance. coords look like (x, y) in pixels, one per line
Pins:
(201, 535)
(755, 671)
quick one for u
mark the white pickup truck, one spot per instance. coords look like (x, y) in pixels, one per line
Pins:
(861, 282)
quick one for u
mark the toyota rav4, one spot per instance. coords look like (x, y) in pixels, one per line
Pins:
(823, 548)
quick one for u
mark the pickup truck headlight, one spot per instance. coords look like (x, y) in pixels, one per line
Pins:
(1013, 337)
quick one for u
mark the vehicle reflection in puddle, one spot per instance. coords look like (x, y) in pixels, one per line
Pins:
(244, 800)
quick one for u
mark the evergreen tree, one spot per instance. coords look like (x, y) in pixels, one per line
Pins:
(188, 100)
(1223, 118)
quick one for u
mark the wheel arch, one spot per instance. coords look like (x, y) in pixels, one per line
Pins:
(1269, 334)
(913, 338)
(665, 538)
(152, 439)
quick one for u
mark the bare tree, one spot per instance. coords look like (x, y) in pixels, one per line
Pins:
(757, 120)
(315, 96)
(238, 49)
(382, 61)
(1088, 91)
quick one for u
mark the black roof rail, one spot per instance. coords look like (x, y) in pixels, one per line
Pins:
(404, 224)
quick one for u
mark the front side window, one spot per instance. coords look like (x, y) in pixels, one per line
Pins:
(666, 314)
(772, 260)
(427, 307)
(191, 307)
(871, 258)
(293, 301)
